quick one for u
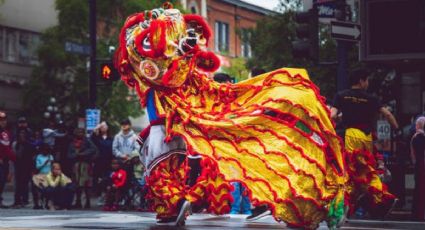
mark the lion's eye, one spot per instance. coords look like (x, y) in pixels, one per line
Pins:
(146, 43)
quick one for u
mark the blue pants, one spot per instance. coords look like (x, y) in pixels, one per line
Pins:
(241, 203)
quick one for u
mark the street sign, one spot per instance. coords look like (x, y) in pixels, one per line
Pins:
(345, 31)
(76, 48)
(92, 118)
(325, 8)
(383, 130)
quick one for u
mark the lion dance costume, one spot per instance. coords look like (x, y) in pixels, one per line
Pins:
(365, 185)
(272, 133)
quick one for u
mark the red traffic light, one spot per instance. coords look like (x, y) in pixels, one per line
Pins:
(106, 72)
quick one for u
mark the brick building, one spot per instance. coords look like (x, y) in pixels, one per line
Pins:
(225, 18)
(21, 25)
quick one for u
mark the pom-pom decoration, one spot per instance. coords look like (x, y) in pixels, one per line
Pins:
(207, 61)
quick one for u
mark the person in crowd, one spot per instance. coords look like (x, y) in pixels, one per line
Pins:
(61, 146)
(43, 164)
(417, 146)
(23, 126)
(116, 186)
(125, 142)
(51, 133)
(59, 190)
(6, 154)
(138, 180)
(24, 165)
(37, 140)
(359, 111)
(102, 139)
(81, 153)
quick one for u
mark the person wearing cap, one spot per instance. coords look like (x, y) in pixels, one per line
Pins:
(103, 140)
(125, 142)
(6, 153)
(23, 126)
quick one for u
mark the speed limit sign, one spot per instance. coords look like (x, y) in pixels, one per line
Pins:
(383, 130)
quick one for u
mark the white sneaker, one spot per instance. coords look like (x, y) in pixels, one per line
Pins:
(184, 211)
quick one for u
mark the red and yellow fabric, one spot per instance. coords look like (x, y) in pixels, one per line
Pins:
(272, 133)
(167, 186)
(361, 166)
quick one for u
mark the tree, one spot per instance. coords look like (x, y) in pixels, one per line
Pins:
(271, 46)
(237, 69)
(65, 75)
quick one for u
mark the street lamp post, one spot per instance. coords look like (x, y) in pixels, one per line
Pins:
(52, 110)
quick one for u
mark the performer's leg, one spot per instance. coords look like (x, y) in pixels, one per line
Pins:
(166, 184)
(364, 179)
(237, 198)
(246, 203)
(211, 188)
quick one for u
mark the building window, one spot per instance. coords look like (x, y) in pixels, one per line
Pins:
(19, 46)
(11, 49)
(221, 37)
(245, 43)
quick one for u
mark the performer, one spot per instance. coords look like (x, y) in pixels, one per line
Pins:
(272, 133)
(359, 111)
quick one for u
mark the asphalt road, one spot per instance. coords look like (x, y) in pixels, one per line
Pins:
(43, 219)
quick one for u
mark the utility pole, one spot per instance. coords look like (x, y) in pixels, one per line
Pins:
(92, 76)
(342, 50)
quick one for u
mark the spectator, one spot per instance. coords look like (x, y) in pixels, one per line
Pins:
(59, 191)
(125, 142)
(417, 146)
(50, 134)
(37, 140)
(81, 153)
(24, 165)
(103, 141)
(138, 180)
(116, 186)
(6, 153)
(62, 141)
(23, 126)
(43, 164)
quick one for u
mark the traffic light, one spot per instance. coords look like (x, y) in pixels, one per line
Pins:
(108, 73)
(307, 31)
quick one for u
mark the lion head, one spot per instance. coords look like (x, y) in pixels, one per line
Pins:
(162, 47)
